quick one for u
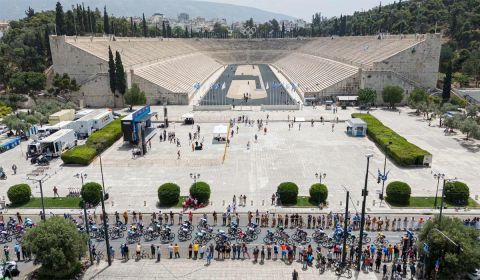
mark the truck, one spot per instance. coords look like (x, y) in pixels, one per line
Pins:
(96, 120)
(82, 113)
(63, 115)
(46, 130)
(53, 145)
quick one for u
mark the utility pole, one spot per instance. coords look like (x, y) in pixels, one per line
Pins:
(384, 176)
(437, 176)
(105, 225)
(39, 181)
(345, 233)
(441, 202)
(362, 220)
(85, 223)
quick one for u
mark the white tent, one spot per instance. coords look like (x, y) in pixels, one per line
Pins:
(220, 129)
(187, 116)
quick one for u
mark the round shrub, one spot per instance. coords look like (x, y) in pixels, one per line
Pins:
(200, 191)
(19, 194)
(288, 193)
(318, 193)
(457, 193)
(168, 194)
(398, 193)
(91, 193)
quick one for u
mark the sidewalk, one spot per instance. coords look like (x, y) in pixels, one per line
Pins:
(227, 270)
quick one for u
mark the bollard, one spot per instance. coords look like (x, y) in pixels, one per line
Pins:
(113, 204)
(476, 197)
(223, 202)
(373, 202)
(358, 202)
(263, 202)
(144, 203)
(211, 203)
(340, 203)
(251, 202)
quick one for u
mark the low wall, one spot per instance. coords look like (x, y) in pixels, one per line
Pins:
(280, 107)
(212, 107)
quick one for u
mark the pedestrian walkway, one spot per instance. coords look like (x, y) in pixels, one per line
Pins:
(227, 270)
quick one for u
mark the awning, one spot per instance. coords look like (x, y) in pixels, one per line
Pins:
(347, 98)
(220, 129)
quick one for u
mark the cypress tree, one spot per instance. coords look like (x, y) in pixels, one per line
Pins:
(169, 31)
(164, 30)
(47, 44)
(283, 29)
(121, 83)
(134, 29)
(447, 83)
(131, 27)
(106, 24)
(111, 70)
(186, 31)
(85, 20)
(144, 26)
(59, 19)
(89, 20)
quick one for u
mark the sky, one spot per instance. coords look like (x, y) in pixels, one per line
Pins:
(306, 8)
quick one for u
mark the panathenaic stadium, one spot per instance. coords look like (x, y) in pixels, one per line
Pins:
(255, 72)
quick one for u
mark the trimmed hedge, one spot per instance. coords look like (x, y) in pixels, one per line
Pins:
(318, 193)
(398, 193)
(401, 151)
(200, 191)
(288, 193)
(168, 194)
(457, 193)
(19, 194)
(82, 155)
(98, 142)
(91, 193)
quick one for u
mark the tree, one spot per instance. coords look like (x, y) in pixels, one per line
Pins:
(106, 24)
(169, 31)
(186, 32)
(454, 261)
(63, 84)
(219, 29)
(469, 127)
(134, 96)
(30, 12)
(27, 82)
(120, 80)
(283, 29)
(416, 96)
(144, 26)
(164, 30)
(91, 193)
(57, 245)
(367, 96)
(59, 19)
(392, 95)
(447, 83)
(111, 70)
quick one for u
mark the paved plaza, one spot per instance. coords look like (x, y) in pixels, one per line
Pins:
(281, 155)
(227, 269)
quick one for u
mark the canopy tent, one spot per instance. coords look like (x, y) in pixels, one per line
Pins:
(188, 118)
(220, 133)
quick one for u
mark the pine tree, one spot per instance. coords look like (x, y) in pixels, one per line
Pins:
(30, 12)
(164, 30)
(144, 26)
(111, 70)
(106, 24)
(59, 19)
(121, 83)
(447, 83)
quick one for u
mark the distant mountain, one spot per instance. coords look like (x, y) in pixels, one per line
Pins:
(15, 9)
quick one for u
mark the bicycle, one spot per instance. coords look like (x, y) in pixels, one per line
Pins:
(343, 269)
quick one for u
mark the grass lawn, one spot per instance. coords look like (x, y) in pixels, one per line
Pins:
(50, 202)
(303, 202)
(429, 202)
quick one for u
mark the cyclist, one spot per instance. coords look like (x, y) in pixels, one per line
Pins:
(138, 250)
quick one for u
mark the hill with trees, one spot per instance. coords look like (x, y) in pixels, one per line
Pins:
(458, 20)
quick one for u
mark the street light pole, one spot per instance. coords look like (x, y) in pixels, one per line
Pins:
(85, 219)
(319, 175)
(39, 181)
(345, 234)
(384, 170)
(362, 220)
(437, 176)
(105, 225)
(441, 201)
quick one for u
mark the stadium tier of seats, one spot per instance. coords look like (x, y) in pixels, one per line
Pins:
(181, 73)
(314, 74)
(359, 50)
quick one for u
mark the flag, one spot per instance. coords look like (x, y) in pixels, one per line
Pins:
(266, 86)
(224, 86)
(196, 85)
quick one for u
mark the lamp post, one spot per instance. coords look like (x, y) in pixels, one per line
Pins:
(82, 175)
(105, 225)
(319, 176)
(195, 176)
(437, 176)
(345, 228)
(362, 220)
(441, 201)
(39, 181)
(384, 170)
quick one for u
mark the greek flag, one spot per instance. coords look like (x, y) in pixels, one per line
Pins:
(196, 85)
(224, 86)
(266, 86)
